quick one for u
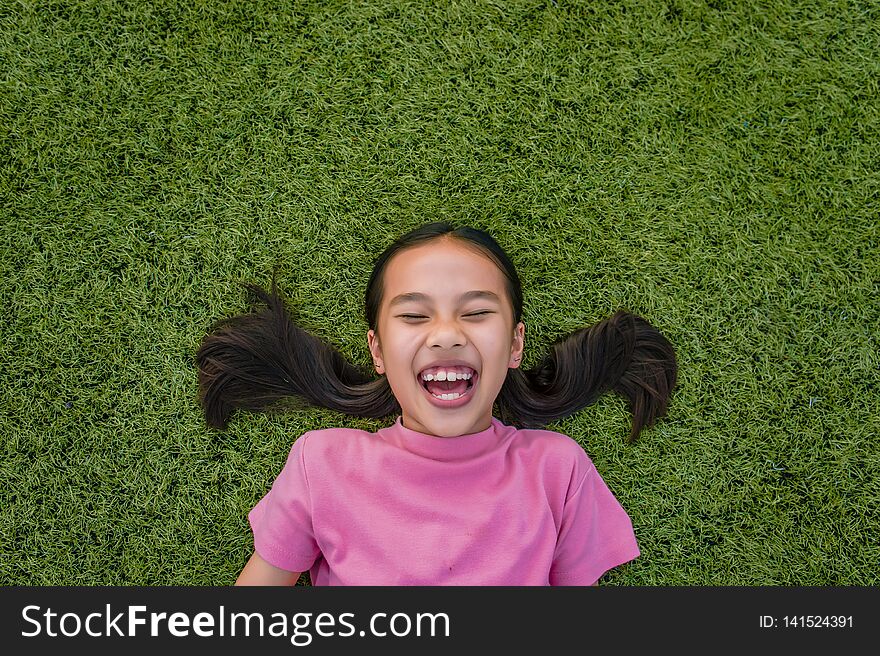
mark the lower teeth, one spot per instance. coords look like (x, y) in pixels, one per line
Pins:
(452, 396)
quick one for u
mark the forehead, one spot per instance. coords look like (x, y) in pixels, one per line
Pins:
(443, 270)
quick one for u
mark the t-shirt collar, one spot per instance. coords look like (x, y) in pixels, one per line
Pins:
(462, 447)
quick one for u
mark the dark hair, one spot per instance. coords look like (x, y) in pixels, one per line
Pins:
(264, 362)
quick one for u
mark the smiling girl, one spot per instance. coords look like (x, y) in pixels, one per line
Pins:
(448, 494)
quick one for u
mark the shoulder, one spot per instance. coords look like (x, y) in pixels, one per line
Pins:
(557, 452)
(317, 450)
(548, 441)
(329, 440)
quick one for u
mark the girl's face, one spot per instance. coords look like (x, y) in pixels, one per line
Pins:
(431, 320)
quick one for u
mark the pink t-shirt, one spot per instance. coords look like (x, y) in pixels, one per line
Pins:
(398, 507)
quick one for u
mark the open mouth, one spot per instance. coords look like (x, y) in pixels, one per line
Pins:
(446, 390)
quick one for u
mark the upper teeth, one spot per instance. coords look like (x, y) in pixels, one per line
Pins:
(447, 375)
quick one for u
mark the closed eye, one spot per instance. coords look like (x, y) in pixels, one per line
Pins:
(419, 316)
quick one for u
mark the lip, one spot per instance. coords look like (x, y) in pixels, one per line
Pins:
(464, 399)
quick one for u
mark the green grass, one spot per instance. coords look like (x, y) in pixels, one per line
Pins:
(711, 166)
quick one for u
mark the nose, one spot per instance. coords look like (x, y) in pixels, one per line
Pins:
(446, 334)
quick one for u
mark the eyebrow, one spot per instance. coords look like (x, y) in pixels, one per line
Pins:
(418, 296)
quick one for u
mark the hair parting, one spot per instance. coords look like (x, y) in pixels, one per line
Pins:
(264, 362)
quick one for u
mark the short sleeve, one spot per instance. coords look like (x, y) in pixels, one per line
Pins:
(282, 520)
(595, 534)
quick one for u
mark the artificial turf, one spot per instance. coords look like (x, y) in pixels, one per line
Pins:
(710, 166)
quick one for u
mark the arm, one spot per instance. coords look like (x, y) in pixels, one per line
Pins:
(259, 572)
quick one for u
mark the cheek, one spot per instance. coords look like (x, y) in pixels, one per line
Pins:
(399, 351)
(495, 353)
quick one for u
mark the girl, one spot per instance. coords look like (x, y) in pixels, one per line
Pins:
(448, 494)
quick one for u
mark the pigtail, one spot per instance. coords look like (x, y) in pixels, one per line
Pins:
(623, 353)
(264, 362)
